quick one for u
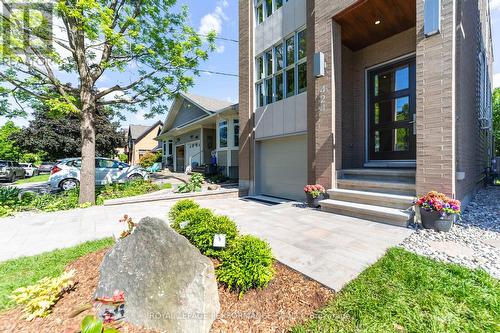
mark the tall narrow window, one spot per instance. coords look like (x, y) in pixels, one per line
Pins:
(290, 82)
(223, 134)
(278, 81)
(259, 13)
(290, 51)
(432, 17)
(269, 91)
(170, 147)
(259, 93)
(302, 77)
(278, 54)
(302, 44)
(236, 132)
(269, 7)
(269, 63)
(278, 3)
(260, 68)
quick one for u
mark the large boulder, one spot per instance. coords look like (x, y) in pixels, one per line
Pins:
(169, 285)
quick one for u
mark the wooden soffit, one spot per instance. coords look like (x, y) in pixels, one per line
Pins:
(369, 21)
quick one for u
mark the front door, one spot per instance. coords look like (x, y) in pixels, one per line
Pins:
(391, 111)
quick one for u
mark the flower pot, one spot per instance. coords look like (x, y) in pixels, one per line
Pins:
(434, 220)
(313, 202)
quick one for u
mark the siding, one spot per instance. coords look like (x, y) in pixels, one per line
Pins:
(187, 113)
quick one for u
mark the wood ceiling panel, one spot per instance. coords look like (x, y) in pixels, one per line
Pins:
(358, 21)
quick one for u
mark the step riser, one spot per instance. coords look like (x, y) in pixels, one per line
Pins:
(397, 221)
(380, 178)
(366, 199)
(377, 189)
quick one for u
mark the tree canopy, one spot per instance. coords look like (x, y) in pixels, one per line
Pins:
(59, 137)
(8, 149)
(58, 53)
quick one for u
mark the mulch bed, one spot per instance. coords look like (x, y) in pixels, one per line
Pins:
(289, 299)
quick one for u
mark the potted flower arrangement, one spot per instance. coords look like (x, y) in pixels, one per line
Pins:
(314, 193)
(437, 211)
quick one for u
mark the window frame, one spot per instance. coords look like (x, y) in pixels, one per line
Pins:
(236, 133)
(221, 125)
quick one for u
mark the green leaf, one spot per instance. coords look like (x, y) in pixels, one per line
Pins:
(91, 324)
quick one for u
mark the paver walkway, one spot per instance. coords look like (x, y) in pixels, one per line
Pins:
(331, 249)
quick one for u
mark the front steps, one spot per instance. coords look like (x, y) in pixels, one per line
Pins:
(381, 195)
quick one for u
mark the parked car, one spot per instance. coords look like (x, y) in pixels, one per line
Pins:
(10, 171)
(30, 170)
(66, 174)
(45, 167)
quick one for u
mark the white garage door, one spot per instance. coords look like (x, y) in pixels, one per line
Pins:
(282, 167)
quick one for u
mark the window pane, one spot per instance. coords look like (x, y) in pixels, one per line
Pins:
(259, 15)
(260, 68)
(278, 52)
(290, 82)
(290, 51)
(384, 83)
(402, 108)
(279, 3)
(432, 17)
(223, 134)
(259, 92)
(401, 139)
(402, 78)
(302, 77)
(302, 44)
(269, 91)
(269, 7)
(269, 63)
(279, 86)
(236, 132)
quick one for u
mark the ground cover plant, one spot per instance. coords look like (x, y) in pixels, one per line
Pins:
(404, 292)
(12, 201)
(26, 271)
(244, 263)
(194, 184)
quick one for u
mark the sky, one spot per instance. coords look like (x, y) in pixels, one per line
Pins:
(222, 16)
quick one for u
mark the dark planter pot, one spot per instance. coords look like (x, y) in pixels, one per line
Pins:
(313, 202)
(434, 220)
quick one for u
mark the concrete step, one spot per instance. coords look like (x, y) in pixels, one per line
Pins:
(372, 198)
(386, 215)
(403, 175)
(392, 187)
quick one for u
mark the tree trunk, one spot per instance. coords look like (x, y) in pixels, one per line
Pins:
(87, 171)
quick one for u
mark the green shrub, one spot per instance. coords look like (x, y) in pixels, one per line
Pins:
(246, 264)
(194, 184)
(180, 206)
(9, 194)
(123, 157)
(149, 159)
(127, 189)
(202, 227)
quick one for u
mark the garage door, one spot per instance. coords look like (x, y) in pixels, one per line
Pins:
(282, 167)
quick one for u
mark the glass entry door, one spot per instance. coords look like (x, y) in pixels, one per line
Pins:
(391, 111)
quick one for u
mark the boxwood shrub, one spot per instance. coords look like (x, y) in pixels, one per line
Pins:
(180, 206)
(246, 264)
(202, 227)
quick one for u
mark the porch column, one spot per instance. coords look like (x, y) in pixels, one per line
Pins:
(324, 99)
(435, 116)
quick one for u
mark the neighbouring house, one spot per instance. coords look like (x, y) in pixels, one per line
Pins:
(376, 100)
(198, 128)
(141, 140)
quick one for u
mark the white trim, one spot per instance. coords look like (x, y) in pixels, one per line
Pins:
(366, 92)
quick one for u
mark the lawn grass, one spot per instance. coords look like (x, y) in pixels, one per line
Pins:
(405, 293)
(35, 179)
(26, 271)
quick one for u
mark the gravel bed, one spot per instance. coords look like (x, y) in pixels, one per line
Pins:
(473, 242)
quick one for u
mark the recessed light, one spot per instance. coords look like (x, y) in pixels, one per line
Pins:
(377, 22)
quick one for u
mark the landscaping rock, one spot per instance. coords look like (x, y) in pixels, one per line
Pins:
(169, 285)
(213, 187)
(474, 241)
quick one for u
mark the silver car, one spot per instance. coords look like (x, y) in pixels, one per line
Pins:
(29, 169)
(66, 174)
(10, 171)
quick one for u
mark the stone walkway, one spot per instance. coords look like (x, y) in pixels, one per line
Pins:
(329, 248)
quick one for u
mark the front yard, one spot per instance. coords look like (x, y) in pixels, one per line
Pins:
(34, 179)
(404, 292)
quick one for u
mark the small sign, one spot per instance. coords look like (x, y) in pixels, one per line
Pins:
(183, 224)
(219, 240)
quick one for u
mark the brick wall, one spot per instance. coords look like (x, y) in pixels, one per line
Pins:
(435, 120)
(246, 102)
